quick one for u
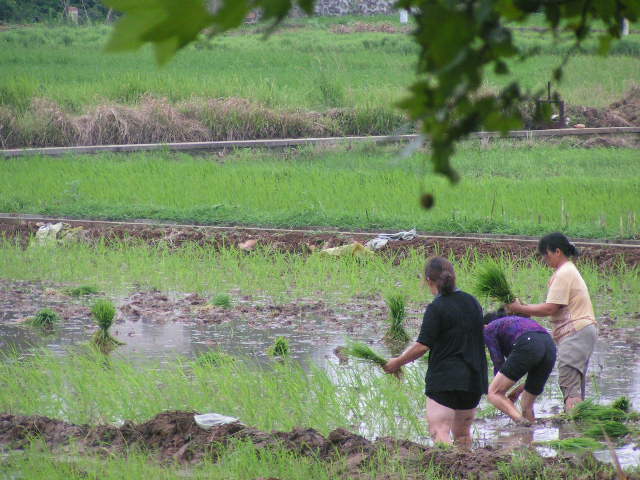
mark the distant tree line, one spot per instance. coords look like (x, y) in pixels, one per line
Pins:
(28, 11)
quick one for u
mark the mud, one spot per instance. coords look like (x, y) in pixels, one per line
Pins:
(622, 113)
(256, 313)
(174, 436)
(308, 242)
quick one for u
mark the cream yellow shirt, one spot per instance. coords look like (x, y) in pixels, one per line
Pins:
(567, 288)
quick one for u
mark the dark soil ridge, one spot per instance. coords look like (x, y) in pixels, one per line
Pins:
(303, 242)
(174, 436)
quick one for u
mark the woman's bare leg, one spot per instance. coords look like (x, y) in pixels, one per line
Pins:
(498, 397)
(461, 429)
(526, 403)
(440, 420)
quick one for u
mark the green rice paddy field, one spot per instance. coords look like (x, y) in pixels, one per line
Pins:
(516, 188)
(304, 66)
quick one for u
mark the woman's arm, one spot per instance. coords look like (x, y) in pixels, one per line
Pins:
(536, 310)
(409, 355)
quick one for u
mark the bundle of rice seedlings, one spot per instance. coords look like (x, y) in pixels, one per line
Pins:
(45, 318)
(214, 358)
(492, 282)
(280, 348)
(622, 403)
(611, 428)
(363, 352)
(222, 300)
(577, 444)
(396, 331)
(104, 312)
(588, 411)
(81, 291)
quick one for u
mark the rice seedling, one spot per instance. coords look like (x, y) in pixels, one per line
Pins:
(588, 411)
(222, 300)
(45, 318)
(364, 352)
(622, 403)
(576, 444)
(214, 358)
(492, 282)
(103, 312)
(280, 348)
(396, 331)
(611, 428)
(82, 291)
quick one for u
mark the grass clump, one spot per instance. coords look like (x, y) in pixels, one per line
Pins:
(222, 300)
(588, 411)
(45, 318)
(363, 352)
(611, 428)
(280, 348)
(578, 444)
(492, 282)
(104, 311)
(214, 358)
(397, 313)
(82, 291)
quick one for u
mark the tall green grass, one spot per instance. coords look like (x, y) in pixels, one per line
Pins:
(309, 68)
(286, 277)
(506, 188)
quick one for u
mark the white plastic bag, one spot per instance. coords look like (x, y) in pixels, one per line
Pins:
(208, 420)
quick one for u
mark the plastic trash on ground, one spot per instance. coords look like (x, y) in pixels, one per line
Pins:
(52, 233)
(382, 239)
(48, 233)
(209, 420)
(355, 248)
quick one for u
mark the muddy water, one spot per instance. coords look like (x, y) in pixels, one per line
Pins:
(313, 334)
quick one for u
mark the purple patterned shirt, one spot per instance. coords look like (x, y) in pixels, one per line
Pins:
(501, 335)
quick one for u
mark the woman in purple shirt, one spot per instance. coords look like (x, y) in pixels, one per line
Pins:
(518, 346)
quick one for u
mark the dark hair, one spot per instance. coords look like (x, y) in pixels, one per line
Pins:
(557, 240)
(440, 270)
(491, 316)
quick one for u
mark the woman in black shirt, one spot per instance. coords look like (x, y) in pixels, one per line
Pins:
(452, 332)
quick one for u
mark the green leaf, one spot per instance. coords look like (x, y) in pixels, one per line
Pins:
(169, 25)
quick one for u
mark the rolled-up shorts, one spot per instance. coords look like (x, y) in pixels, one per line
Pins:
(574, 353)
(456, 399)
(534, 355)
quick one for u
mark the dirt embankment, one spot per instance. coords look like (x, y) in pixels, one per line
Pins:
(306, 242)
(174, 436)
(44, 123)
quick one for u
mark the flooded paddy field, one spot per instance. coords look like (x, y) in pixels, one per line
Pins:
(167, 317)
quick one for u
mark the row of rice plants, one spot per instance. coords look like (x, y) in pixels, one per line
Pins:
(505, 189)
(286, 277)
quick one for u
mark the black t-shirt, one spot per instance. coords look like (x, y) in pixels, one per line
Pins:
(452, 328)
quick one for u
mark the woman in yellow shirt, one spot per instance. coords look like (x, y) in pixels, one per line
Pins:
(569, 306)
